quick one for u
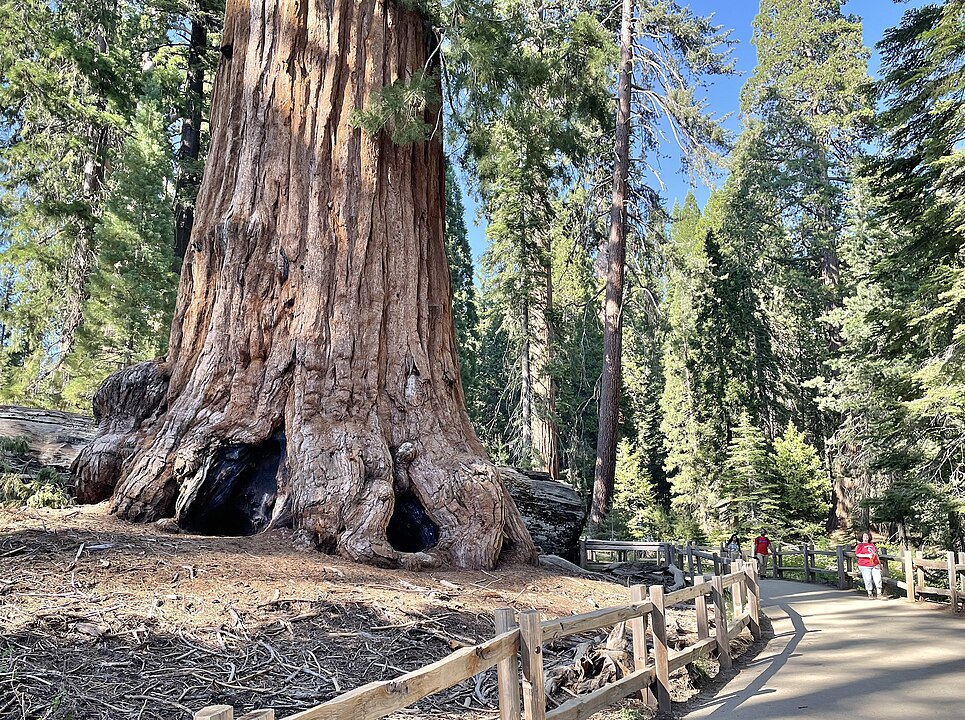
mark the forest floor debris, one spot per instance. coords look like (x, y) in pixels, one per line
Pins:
(104, 619)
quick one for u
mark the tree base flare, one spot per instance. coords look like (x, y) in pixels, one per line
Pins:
(340, 485)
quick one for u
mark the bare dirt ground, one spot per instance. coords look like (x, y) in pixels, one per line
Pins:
(103, 619)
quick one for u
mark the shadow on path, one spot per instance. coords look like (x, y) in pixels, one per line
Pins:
(728, 702)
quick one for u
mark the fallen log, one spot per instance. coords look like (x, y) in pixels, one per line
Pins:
(53, 437)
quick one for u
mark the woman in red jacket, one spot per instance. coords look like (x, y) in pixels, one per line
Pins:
(869, 565)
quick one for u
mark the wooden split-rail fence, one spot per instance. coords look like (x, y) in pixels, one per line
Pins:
(838, 566)
(516, 652)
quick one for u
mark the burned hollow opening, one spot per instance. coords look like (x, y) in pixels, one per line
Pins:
(410, 527)
(238, 494)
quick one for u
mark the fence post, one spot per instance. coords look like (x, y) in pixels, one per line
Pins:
(910, 575)
(690, 561)
(920, 571)
(641, 656)
(753, 599)
(583, 557)
(703, 624)
(842, 578)
(961, 561)
(737, 591)
(777, 571)
(531, 652)
(661, 654)
(952, 580)
(720, 620)
(808, 561)
(507, 671)
(215, 712)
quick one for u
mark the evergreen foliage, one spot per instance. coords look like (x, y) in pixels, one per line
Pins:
(798, 339)
(87, 150)
(902, 373)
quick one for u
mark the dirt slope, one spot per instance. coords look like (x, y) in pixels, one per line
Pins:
(103, 619)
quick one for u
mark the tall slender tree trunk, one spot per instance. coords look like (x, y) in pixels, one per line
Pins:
(526, 386)
(189, 172)
(312, 377)
(545, 434)
(606, 447)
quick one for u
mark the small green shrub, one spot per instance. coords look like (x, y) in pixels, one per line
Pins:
(49, 489)
(15, 445)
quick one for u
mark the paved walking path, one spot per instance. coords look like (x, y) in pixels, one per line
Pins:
(836, 655)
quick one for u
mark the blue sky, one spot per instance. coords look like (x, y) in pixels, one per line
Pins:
(723, 95)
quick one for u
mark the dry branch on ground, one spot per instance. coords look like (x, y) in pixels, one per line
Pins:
(100, 619)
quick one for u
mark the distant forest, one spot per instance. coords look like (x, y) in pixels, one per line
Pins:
(793, 352)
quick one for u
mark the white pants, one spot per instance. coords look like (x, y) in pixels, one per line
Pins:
(869, 574)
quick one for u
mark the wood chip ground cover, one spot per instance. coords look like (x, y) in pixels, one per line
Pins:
(102, 619)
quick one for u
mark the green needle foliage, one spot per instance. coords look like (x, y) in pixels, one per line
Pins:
(902, 375)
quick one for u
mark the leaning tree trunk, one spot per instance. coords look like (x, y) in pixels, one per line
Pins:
(312, 375)
(606, 444)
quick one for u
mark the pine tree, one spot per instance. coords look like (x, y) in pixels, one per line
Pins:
(750, 493)
(72, 76)
(527, 147)
(808, 107)
(901, 373)
(132, 287)
(802, 486)
(674, 51)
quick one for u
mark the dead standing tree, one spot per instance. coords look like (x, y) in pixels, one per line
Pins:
(312, 376)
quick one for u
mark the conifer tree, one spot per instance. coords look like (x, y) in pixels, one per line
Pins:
(900, 383)
(665, 51)
(807, 107)
(749, 493)
(465, 314)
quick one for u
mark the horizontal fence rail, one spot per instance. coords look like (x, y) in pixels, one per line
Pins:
(839, 565)
(517, 654)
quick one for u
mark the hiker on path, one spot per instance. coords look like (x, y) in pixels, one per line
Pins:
(733, 548)
(869, 565)
(762, 547)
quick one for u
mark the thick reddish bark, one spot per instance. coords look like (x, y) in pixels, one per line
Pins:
(606, 446)
(312, 374)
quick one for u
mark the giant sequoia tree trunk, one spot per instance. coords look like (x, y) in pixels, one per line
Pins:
(312, 375)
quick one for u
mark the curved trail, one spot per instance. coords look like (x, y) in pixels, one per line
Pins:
(837, 655)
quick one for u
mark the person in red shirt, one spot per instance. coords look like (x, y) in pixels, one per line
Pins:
(869, 565)
(762, 545)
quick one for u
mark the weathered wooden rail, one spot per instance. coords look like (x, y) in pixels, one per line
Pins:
(839, 566)
(517, 654)
(844, 570)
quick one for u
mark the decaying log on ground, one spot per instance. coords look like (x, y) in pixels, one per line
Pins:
(594, 664)
(553, 511)
(646, 573)
(54, 438)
